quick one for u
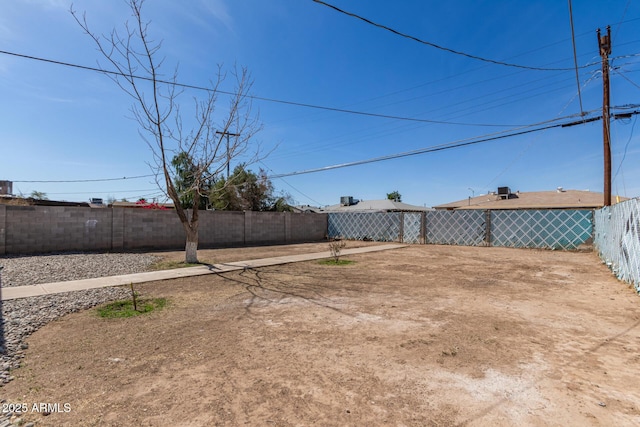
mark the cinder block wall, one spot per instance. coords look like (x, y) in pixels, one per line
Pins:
(303, 225)
(3, 225)
(220, 228)
(39, 229)
(30, 229)
(150, 228)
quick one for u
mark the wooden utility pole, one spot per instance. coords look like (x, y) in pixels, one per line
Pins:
(604, 42)
(228, 153)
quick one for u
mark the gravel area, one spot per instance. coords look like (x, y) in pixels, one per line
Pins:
(21, 317)
(33, 270)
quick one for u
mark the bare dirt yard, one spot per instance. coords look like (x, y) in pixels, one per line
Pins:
(418, 336)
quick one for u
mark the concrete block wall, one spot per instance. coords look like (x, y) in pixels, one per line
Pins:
(41, 229)
(30, 229)
(264, 227)
(3, 227)
(220, 228)
(150, 228)
(307, 227)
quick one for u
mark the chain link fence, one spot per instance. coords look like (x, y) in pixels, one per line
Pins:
(614, 230)
(549, 229)
(617, 239)
(463, 227)
(545, 229)
(375, 226)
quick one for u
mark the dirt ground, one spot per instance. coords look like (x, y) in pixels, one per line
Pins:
(418, 336)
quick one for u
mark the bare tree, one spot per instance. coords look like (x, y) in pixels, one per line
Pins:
(137, 63)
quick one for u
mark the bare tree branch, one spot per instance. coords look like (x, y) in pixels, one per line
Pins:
(155, 108)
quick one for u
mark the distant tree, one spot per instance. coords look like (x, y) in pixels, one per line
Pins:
(185, 176)
(111, 200)
(245, 190)
(135, 57)
(395, 196)
(38, 195)
(282, 204)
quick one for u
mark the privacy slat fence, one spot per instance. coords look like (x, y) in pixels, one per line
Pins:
(617, 239)
(549, 229)
(614, 230)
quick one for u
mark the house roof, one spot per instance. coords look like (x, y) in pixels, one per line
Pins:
(385, 205)
(306, 209)
(142, 205)
(559, 199)
(29, 201)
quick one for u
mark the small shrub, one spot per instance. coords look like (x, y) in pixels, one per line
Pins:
(333, 262)
(336, 246)
(125, 308)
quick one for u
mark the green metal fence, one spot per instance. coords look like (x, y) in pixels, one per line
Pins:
(549, 228)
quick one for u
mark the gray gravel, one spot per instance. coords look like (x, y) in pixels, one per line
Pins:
(21, 317)
(33, 270)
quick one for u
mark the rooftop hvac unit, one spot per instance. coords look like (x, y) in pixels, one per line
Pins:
(346, 200)
(504, 192)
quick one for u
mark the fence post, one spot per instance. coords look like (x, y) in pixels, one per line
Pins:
(487, 224)
(423, 228)
(401, 228)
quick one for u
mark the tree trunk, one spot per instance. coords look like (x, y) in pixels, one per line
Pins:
(191, 248)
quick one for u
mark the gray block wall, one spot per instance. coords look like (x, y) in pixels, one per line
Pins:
(30, 229)
(41, 229)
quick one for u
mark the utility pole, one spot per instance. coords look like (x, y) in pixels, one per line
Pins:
(604, 42)
(228, 134)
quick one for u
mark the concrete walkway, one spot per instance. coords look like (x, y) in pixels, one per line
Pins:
(151, 276)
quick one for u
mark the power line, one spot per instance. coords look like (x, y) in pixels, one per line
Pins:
(257, 98)
(519, 156)
(626, 78)
(624, 155)
(446, 49)
(88, 180)
(105, 191)
(575, 56)
(294, 188)
(441, 147)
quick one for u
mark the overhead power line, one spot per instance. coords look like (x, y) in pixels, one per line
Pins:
(441, 147)
(575, 56)
(88, 180)
(434, 45)
(257, 98)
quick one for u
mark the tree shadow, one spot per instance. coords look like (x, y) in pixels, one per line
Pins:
(264, 290)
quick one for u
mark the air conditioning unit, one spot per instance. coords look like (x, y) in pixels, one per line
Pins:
(346, 200)
(504, 192)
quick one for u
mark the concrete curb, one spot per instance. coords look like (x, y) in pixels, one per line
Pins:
(152, 276)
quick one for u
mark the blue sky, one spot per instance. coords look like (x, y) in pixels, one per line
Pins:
(64, 124)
